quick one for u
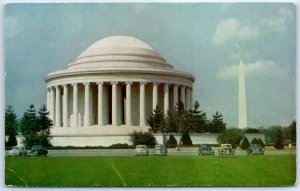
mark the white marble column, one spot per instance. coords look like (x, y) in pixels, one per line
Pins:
(175, 95)
(75, 104)
(154, 96)
(52, 104)
(128, 103)
(182, 95)
(65, 105)
(48, 99)
(57, 106)
(100, 103)
(187, 99)
(166, 99)
(191, 97)
(142, 104)
(114, 113)
(86, 104)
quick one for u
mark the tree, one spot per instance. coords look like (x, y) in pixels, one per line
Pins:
(36, 129)
(278, 140)
(186, 139)
(172, 142)
(292, 132)
(254, 141)
(198, 119)
(156, 120)
(217, 125)
(261, 143)
(11, 126)
(245, 143)
(43, 126)
(252, 130)
(231, 136)
(142, 138)
(182, 118)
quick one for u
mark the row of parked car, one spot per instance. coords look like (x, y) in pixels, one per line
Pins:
(36, 150)
(204, 149)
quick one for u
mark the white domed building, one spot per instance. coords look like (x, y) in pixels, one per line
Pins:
(110, 90)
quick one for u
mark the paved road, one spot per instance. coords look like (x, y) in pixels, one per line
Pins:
(130, 152)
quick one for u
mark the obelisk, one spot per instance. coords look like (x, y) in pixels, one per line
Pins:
(242, 97)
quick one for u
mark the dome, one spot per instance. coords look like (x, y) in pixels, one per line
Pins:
(119, 51)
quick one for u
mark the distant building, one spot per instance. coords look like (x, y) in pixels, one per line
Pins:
(109, 90)
(251, 136)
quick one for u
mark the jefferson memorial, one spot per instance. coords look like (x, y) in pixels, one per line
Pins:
(110, 90)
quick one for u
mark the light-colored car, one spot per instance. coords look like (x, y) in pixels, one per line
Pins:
(17, 151)
(226, 149)
(160, 149)
(141, 150)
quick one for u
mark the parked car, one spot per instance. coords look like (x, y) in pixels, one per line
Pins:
(17, 151)
(255, 149)
(38, 150)
(141, 150)
(226, 149)
(160, 149)
(205, 149)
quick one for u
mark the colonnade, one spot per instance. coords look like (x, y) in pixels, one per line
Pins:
(59, 109)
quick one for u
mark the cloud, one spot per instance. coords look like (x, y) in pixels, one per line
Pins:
(260, 68)
(232, 29)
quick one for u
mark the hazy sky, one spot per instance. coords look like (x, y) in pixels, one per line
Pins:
(207, 40)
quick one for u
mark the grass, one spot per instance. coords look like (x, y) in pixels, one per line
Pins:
(151, 171)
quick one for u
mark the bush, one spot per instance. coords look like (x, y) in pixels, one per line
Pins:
(142, 138)
(245, 143)
(12, 141)
(172, 142)
(186, 139)
(231, 136)
(278, 143)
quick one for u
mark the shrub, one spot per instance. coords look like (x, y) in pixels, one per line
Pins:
(12, 141)
(186, 139)
(172, 142)
(245, 143)
(142, 138)
(254, 141)
(261, 143)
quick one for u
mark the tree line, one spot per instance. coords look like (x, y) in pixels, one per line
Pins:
(34, 126)
(179, 120)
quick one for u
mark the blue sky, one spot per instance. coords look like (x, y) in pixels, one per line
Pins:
(199, 38)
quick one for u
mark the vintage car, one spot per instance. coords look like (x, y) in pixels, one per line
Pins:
(226, 149)
(141, 150)
(255, 149)
(160, 149)
(205, 149)
(17, 151)
(38, 150)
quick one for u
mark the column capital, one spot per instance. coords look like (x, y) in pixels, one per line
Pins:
(128, 83)
(175, 85)
(86, 83)
(114, 83)
(155, 83)
(75, 84)
(100, 83)
(65, 85)
(143, 83)
(57, 86)
(166, 84)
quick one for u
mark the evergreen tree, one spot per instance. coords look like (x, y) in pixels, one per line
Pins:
(245, 143)
(292, 132)
(198, 119)
(171, 122)
(278, 139)
(11, 126)
(156, 120)
(217, 125)
(261, 143)
(186, 139)
(182, 118)
(28, 122)
(43, 126)
(255, 141)
(172, 142)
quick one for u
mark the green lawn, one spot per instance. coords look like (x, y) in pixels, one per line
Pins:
(151, 171)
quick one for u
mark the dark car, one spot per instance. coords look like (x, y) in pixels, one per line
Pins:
(38, 150)
(205, 149)
(255, 149)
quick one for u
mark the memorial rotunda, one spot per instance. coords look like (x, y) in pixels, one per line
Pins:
(110, 90)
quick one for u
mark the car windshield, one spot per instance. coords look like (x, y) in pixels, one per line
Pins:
(141, 147)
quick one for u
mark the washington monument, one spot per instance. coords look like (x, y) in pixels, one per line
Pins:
(242, 97)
